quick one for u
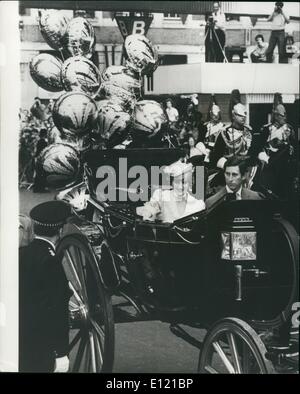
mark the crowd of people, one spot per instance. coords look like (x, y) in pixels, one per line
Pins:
(209, 142)
(37, 130)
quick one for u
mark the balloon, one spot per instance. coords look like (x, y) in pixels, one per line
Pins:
(53, 26)
(45, 70)
(112, 118)
(60, 164)
(79, 73)
(141, 54)
(75, 114)
(122, 83)
(80, 37)
(148, 116)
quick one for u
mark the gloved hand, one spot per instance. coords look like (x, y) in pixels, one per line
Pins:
(62, 364)
(263, 157)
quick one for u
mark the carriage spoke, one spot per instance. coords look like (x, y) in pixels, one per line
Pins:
(77, 257)
(234, 352)
(223, 357)
(210, 369)
(92, 351)
(91, 320)
(76, 296)
(74, 340)
(74, 271)
(99, 350)
(97, 328)
(100, 333)
(80, 353)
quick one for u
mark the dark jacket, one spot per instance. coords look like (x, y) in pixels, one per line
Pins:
(224, 147)
(43, 308)
(217, 198)
(40, 146)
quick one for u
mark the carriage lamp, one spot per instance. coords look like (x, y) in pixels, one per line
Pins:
(239, 241)
(239, 244)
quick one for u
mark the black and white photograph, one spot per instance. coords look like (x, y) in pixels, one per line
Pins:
(149, 194)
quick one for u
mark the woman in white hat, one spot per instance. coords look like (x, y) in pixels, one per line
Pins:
(177, 202)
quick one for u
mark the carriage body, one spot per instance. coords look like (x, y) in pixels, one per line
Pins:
(238, 259)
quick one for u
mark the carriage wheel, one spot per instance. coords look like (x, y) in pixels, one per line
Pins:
(92, 335)
(232, 346)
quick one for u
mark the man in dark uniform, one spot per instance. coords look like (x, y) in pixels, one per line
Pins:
(212, 129)
(44, 294)
(234, 140)
(276, 149)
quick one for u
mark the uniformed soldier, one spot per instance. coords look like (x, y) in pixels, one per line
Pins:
(276, 148)
(233, 140)
(277, 135)
(44, 294)
(212, 129)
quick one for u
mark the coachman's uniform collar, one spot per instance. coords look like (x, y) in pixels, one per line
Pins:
(46, 240)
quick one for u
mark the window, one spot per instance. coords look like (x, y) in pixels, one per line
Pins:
(171, 16)
(168, 60)
(23, 11)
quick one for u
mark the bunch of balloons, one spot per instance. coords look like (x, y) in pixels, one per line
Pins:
(91, 104)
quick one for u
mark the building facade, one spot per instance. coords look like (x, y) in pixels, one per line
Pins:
(179, 39)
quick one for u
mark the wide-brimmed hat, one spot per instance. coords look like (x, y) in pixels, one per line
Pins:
(178, 168)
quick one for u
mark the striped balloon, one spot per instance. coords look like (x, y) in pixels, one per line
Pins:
(45, 70)
(121, 82)
(80, 37)
(75, 114)
(142, 55)
(112, 118)
(148, 117)
(60, 164)
(53, 26)
(79, 73)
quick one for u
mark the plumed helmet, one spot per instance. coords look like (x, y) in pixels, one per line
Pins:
(235, 98)
(278, 111)
(213, 108)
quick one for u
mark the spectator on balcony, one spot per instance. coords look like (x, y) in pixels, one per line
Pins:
(279, 19)
(215, 35)
(259, 53)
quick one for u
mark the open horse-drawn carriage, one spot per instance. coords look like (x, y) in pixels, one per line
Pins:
(232, 270)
